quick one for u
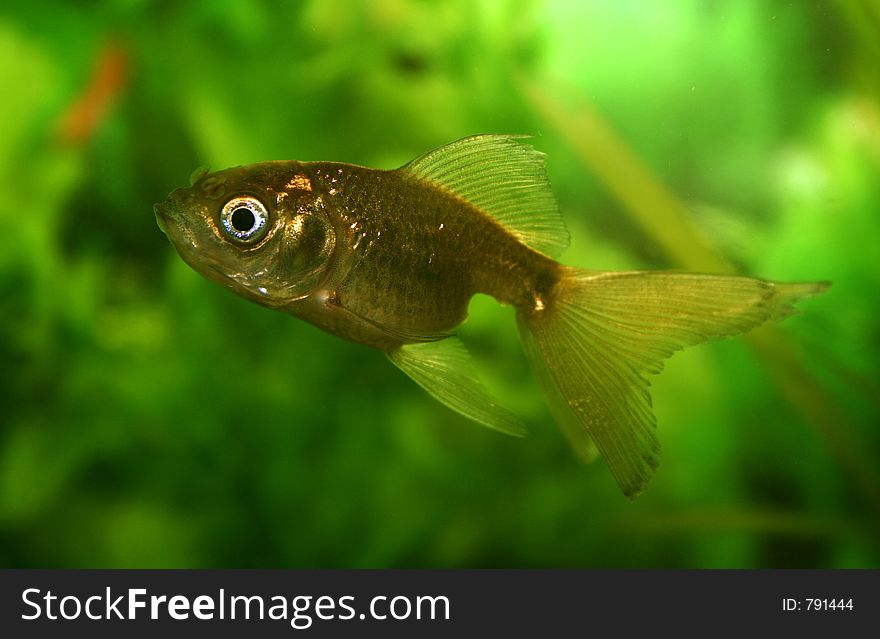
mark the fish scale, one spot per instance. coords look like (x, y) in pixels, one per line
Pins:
(422, 253)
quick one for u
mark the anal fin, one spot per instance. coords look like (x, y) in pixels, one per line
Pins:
(445, 369)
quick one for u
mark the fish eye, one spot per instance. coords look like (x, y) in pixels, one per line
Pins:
(244, 219)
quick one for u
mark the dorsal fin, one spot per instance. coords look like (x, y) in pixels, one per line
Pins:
(504, 178)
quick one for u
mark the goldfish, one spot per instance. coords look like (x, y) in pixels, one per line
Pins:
(391, 258)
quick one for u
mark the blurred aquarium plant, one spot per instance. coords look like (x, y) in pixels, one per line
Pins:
(148, 418)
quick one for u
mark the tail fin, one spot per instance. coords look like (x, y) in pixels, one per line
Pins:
(597, 341)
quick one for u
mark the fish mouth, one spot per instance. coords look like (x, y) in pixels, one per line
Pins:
(196, 255)
(161, 213)
(181, 238)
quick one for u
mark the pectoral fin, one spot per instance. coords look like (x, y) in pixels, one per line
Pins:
(446, 371)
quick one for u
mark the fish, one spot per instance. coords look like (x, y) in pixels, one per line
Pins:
(391, 258)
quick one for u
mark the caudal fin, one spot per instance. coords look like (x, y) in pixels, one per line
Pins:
(597, 341)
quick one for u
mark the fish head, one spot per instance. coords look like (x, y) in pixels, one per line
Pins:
(255, 229)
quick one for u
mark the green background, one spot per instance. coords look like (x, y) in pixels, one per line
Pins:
(150, 418)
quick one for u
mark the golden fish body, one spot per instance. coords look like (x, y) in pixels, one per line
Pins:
(390, 259)
(377, 257)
